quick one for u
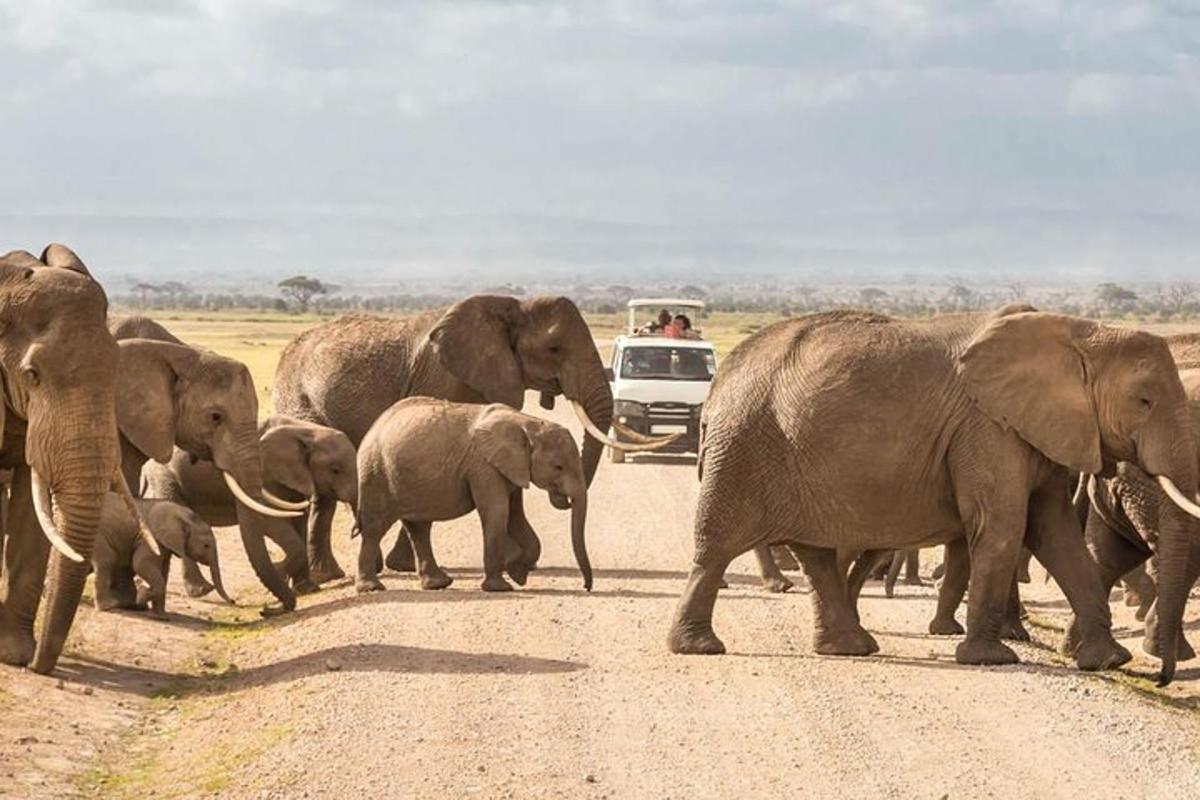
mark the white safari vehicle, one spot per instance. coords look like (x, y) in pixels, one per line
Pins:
(660, 376)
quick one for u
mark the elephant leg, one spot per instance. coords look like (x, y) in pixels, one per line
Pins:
(836, 630)
(26, 554)
(773, 580)
(322, 566)
(862, 568)
(148, 568)
(106, 598)
(1056, 541)
(691, 630)
(401, 557)
(1140, 590)
(527, 548)
(1023, 565)
(432, 576)
(295, 559)
(784, 558)
(912, 567)
(370, 554)
(194, 581)
(493, 504)
(956, 571)
(995, 525)
(1114, 556)
(894, 565)
(1012, 628)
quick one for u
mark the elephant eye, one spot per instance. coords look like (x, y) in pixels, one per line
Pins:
(31, 376)
(215, 417)
(553, 349)
(1146, 403)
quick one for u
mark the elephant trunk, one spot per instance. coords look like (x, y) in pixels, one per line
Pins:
(1175, 536)
(214, 571)
(78, 507)
(596, 398)
(253, 531)
(578, 542)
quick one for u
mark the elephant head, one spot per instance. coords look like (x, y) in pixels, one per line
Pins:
(501, 347)
(309, 460)
(1089, 396)
(58, 364)
(182, 531)
(526, 450)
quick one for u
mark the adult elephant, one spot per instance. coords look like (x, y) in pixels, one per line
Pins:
(485, 349)
(58, 423)
(299, 460)
(171, 394)
(858, 431)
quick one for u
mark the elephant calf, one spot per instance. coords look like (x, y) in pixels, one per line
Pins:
(120, 553)
(426, 460)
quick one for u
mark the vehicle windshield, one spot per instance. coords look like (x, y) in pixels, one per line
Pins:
(668, 364)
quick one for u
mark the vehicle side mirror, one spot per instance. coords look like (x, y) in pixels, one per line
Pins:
(608, 373)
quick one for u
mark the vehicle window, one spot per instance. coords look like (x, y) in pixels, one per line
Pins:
(668, 364)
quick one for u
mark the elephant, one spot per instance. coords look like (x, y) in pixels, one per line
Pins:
(484, 349)
(171, 394)
(485, 456)
(59, 437)
(299, 460)
(857, 430)
(120, 553)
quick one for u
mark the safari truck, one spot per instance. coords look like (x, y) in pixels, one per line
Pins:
(660, 375)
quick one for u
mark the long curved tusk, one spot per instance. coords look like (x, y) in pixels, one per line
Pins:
(1178, 497)
(122, 488)
(45, 516)
(604, 438)
(286, 505)
(641, 438)
(252, 504)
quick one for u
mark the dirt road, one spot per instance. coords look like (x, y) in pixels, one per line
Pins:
(550, 692)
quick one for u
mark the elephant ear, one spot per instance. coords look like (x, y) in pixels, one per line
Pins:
(1028, 371)
(63, 257)
(475, 341)
(285, 452)
(146, 390)
(504, 443)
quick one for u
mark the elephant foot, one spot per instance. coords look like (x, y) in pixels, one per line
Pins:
(889, 589)
(371, 584)
(16, 648)
(198, 588)
(401, 559)
(157, 613)
(495, 584)
(439, 580)
(267, 612)
(776, 584)
(847, 642)
(322, 571)
(518, 571)
(946, 627)
(694, 639)
(914, 581)
(983, 651)
(1014, 631)
(1101, 652)
(305, 586)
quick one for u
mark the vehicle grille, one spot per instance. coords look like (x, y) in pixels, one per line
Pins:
(670, 412)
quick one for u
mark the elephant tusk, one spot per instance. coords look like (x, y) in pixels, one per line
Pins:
(1178, 497)
(45, 516)
(252, 504)
(641, 438)
(286, 505)
(122, 488)
(604, 438)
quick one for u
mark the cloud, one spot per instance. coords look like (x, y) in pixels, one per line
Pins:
(745, 118)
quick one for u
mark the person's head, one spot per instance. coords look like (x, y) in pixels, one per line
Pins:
(682, 322)
(664, 318)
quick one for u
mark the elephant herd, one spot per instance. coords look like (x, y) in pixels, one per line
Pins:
(841, 437)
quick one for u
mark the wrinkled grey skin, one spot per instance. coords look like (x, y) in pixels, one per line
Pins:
(856, 431)
(57, 416)
(172, 395)
(300, 460)
(427, 460)
(121, 553)
(1126, 515)
(485, 349)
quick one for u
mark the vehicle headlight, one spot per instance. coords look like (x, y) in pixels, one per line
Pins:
(629, 408)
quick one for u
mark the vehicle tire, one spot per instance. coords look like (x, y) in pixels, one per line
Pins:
(616, 456)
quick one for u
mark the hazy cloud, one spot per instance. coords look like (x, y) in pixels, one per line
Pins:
(869, 135)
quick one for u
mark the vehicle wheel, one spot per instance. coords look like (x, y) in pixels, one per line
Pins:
(616, 456)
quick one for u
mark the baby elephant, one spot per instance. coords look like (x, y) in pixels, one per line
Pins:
(120, 553)
(427, 460)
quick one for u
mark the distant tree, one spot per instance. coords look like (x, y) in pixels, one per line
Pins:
(961, 296)
(143, 290)
(301, 289)
(1177, 296)
(1115, 298)
(1016, 291)
(692, 292)
(871, 297)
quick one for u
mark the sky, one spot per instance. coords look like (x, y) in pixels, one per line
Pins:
(387, 140)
